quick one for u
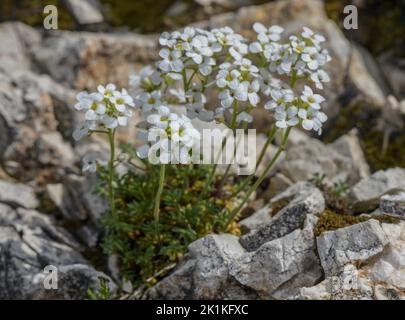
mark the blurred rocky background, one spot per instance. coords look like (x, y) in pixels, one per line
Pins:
(49, 213)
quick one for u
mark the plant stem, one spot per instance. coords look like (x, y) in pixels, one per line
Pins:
(111, 139)
(158, 196)
(214, 168)
(270, 138)
(260, 179)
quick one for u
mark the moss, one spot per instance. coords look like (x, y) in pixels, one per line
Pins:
(31, 12)
(329, 221)
(279, 205)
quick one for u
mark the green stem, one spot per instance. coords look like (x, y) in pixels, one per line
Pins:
(158, 196)
(214, 168)
(270, 138)
(111, 139)
(260, 179)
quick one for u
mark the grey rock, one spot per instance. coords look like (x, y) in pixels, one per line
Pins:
(347, 284)
(87, 204)
(76, 201)
(362, 79)
(30, 143)
(358, 242)
(351, 284)
(393, 204)
(17, 41)
(53, 150)
(204, 274)
(84, 60)
(303, 199)
(74, 281)
(390, 267)
(285, 264)
(349, 146)
(394, 71)
(278, 183)
(313, 157)
(365, 195)
(85, 11)
(29, 241)
(256, 219)
(17, 194)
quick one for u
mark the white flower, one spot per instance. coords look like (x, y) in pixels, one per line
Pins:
(244, 117)
(162, 118)
(137, 79)
(105, 109)
(237, 91)
(238, 50)
(121, 100)
(268, 83)
(205, 67)
(247, 66)
(227, 98)
(252, 89)
(286, 118)
(148, 101)
(312, 119)
(280, 98)
(225, 77)
(146, 76)
(171, 60)
(313, 100)
(107, 91)
(313, 58)
(266, 35)
(172, 136)
(283, 65)
(297, 45)
(318, 77)
(310, 35)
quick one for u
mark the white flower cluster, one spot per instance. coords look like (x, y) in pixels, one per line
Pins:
(107, 108)
(196, 63)
(299, 58)
(170, 138)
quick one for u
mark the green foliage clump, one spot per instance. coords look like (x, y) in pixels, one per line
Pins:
(131, 232)
(329, 221)
(102, 293)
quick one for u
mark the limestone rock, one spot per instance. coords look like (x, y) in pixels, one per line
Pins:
(256, 220)
(204, 274)
(29, 241)
(363, 80)
(390, 267)
(349, 146)
(393, 204)
(351, 284)
(277, 262)
(304, 200)
(73, 283)
(365, 195)
(84, 60)
(358, 242)
(17, 41)
(313, 157)
(85, 12)
(17, 194)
